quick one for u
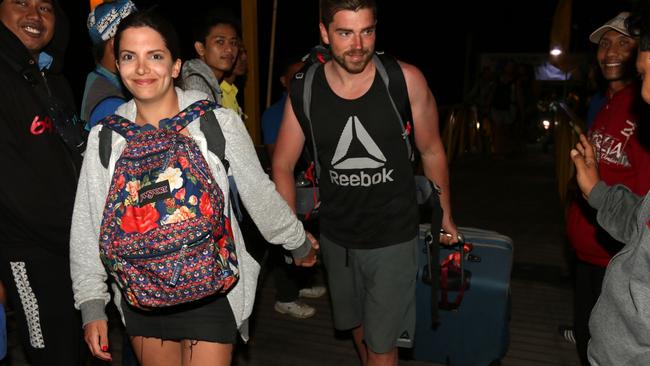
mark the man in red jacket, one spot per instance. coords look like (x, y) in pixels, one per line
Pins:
(621, 159)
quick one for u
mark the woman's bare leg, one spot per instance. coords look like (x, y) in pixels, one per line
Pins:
(197, 353)
(156, 352)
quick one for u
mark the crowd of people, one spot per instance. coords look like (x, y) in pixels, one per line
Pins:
(148, 194)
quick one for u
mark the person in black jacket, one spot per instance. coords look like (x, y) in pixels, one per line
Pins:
(40, 155)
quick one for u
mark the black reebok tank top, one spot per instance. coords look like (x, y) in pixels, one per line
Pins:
(366, 182)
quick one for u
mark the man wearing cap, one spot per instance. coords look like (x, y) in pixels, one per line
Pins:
(104, 91)
(621, 160)
(40, 156)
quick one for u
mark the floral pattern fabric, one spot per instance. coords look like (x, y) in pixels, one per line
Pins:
(165, 235)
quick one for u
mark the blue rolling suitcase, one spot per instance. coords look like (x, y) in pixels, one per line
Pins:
(477, 332)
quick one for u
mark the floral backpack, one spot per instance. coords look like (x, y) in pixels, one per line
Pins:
(165, 235)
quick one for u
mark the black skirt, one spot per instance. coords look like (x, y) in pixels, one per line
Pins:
(209, 319)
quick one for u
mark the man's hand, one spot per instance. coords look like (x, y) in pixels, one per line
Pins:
(96, 336)
(586, 166)
(450, 231)
(311, 258)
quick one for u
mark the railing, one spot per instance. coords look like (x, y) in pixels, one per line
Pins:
(463, 132)
(566, 134)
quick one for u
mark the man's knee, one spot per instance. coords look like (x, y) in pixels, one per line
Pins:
(382, 359)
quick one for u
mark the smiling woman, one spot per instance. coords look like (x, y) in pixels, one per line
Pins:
(148, 61)
(148, 70)
(166, 236)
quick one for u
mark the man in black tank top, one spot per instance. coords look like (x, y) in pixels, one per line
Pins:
(368, 207)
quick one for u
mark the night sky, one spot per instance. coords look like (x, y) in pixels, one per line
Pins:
(445, 43)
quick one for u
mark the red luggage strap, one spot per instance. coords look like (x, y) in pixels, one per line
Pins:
(455, 263)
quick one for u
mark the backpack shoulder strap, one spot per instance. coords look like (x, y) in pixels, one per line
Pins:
(393, 77)
(301, 91)
(396, 85)
(126, 128)
(109, 124)
(214, 136)
(105, 145)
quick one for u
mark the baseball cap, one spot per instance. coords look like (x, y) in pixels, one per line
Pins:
(617, 23)
(104, 19)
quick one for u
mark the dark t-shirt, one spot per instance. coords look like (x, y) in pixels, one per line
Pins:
(366, 183)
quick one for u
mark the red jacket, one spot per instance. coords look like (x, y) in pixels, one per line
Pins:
(621, 160)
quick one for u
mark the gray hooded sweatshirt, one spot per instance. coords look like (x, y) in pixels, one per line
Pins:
(620, 320)
(269, 211)
(197, 75)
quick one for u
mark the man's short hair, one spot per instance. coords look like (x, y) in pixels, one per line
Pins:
(213, 18)
(330, 7)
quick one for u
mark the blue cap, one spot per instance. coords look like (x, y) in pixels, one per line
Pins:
(104, 19)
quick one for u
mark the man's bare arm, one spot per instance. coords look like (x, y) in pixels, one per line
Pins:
(428, 141)
(288, 148)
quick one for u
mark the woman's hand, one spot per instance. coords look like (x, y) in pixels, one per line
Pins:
(311, 258)
(96, 336)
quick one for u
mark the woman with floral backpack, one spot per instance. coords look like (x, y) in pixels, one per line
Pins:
(156, 215)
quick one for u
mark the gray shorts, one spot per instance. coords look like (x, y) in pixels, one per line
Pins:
(374, 288)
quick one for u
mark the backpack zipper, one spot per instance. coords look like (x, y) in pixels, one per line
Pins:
(177, 267)
(198, 241)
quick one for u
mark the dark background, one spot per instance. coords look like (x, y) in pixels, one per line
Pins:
(444, 39)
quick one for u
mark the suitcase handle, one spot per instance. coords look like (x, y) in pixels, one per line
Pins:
(436, 274)
(460, 248)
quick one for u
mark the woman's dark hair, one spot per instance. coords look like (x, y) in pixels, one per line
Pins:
(330, 7)
(155, 21)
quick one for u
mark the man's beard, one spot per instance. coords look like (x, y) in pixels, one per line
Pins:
(353, 67)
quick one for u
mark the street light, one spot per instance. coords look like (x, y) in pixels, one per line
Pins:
(555, 51)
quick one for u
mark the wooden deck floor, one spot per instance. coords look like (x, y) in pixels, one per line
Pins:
(516, 197)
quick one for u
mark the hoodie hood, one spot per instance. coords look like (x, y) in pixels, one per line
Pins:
(13, 48)
(57, 46)
(197, 75)
(197, 66)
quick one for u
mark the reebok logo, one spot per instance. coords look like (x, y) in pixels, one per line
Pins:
(354, 132)
(362, 179)
(353, 129)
